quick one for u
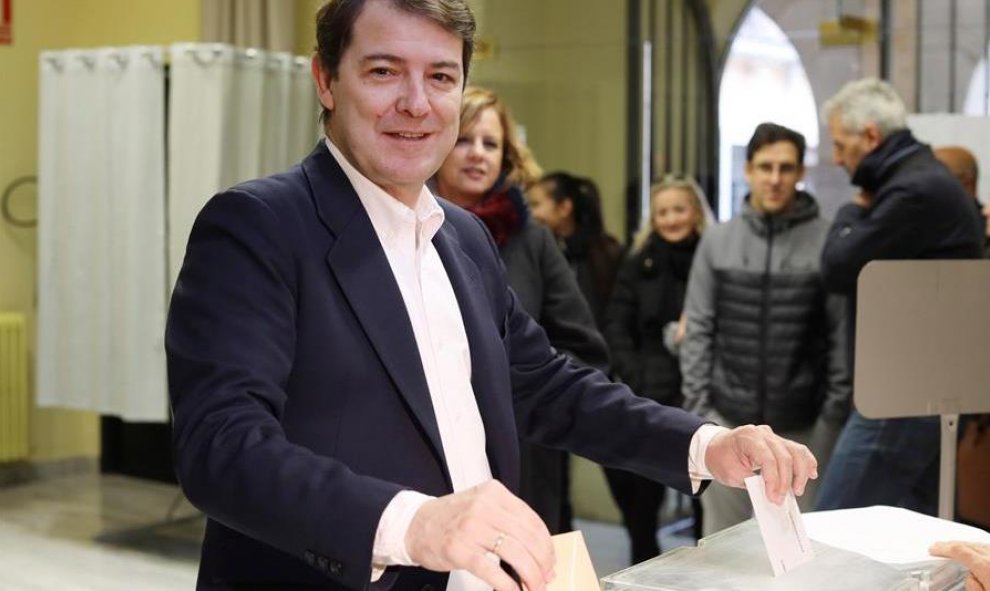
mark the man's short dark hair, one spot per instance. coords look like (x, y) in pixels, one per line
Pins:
(335, 26)
(771, 133)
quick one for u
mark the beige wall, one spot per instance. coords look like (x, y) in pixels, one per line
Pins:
(725, 14)
(306, 25)
(58, 24)
(565, 80)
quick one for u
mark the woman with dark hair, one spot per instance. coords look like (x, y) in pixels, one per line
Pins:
(487, 173)
(643, 327)
(570, 207)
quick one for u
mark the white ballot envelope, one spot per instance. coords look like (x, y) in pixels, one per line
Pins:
(574, 569)
(781, 527)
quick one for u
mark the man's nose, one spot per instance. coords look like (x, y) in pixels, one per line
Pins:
(413, 100)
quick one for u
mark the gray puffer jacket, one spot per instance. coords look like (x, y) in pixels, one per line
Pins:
(765, 343)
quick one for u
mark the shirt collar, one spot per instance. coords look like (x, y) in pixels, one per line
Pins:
(388, 214)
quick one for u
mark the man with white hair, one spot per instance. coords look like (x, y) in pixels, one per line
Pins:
(908, 207)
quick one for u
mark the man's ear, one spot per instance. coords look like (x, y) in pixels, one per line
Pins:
(872, 134)
(322, 79)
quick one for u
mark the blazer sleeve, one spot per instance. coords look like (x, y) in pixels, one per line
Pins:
(230, 347)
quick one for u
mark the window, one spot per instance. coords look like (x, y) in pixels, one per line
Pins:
(763, 80)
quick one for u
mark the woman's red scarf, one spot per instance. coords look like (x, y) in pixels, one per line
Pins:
(503, 211)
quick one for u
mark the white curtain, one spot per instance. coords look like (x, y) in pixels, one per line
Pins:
(101, 190)
(110, 241)
(234, 115)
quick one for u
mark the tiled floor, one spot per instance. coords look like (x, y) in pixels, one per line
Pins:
(113, 533)
(50, 536)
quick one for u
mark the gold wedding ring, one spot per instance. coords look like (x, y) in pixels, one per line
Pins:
(498, 542)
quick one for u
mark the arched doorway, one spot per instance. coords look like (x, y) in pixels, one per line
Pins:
(763, 80)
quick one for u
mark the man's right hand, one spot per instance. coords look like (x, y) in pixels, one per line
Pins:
(458, 531)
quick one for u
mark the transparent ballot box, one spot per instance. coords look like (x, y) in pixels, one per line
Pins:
(736, 560)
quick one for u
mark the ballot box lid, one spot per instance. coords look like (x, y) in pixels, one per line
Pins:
(735, 560)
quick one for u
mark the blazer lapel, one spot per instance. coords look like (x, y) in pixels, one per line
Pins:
(491, 386)
(360, 266)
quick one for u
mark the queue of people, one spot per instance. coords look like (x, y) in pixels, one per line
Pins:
(643, 328)
(379, 359)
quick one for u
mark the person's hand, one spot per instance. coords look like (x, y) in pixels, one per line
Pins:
(973, 555)
(458, 531)
(734, 455)
(681, 329)
(863, 199)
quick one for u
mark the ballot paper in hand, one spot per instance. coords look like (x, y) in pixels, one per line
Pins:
(574, 569)
(781, 527)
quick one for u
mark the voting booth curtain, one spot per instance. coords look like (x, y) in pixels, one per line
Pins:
(132, 142)
(101, 187)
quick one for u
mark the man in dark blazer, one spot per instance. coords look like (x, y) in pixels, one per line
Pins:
(348, 369)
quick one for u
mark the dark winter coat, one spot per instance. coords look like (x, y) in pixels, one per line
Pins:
(764, 343)
(648, 294)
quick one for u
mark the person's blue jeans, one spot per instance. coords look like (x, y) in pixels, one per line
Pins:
(884, 462)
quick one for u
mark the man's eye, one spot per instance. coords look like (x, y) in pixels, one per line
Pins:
(444, 78)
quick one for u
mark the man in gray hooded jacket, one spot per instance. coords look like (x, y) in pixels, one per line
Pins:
(764, 342)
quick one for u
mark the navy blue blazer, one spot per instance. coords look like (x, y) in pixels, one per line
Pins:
(299, 401)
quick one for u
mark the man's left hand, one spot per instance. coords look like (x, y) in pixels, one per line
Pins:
(863, 199)
(734, 455)
(973, 555)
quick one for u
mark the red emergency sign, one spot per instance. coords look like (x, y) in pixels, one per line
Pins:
(6, 23)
